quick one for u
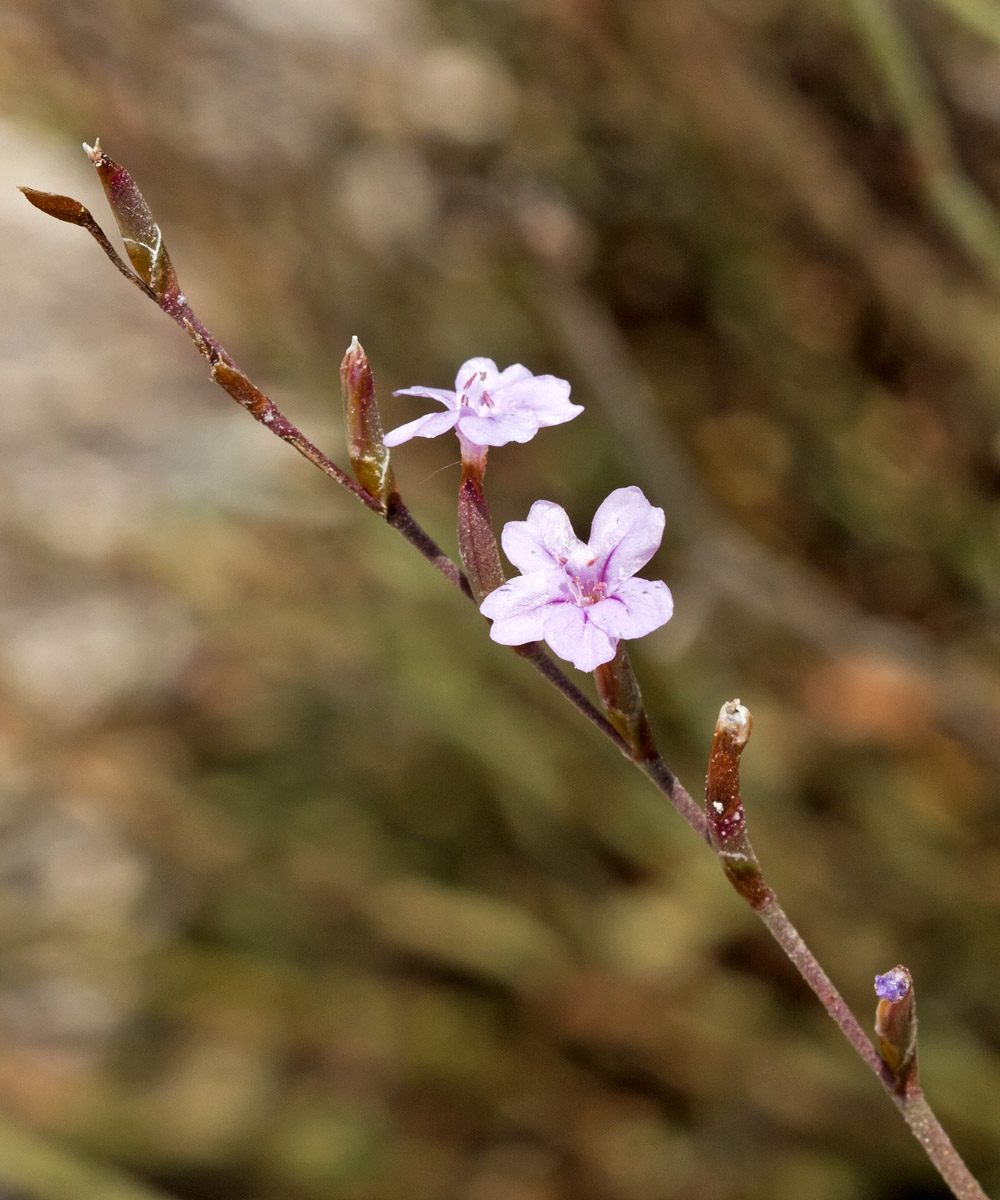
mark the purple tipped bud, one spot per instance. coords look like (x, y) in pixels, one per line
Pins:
(893, 985)
(896, 1026)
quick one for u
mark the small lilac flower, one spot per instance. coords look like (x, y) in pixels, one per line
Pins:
(893, 985)
(490, 407)
(577, 596)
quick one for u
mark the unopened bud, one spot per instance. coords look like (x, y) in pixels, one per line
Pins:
(896, 1025)
(369, 456)
(724, 805)
(140, 233)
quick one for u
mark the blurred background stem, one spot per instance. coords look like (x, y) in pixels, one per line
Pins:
(39, 1168)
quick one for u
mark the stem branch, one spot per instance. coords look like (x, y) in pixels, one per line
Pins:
(913, 1106)
(721, 825)
(730, 840)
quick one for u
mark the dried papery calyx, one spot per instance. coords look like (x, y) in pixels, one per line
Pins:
(896, 1026)
(724, 806)
(365, 444)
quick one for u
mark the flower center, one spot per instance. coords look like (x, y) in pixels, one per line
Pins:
(478, 397)
(585, 584)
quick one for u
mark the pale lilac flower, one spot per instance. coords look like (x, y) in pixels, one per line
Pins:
(893, 985)
(580, 597)
(490, 407)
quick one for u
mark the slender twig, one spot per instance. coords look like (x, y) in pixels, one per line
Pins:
(790, 940)
(662, 777)
(916, 1112)
(722, 824)
(399, 517)
(622, 698)
(730, 839)
(534, 654)
(158, 281)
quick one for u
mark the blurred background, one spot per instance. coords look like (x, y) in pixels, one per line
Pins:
(309, 891)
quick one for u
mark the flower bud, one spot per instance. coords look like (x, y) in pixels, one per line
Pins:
(724, 806)
(140, 233)
(369, 456)
(896, 1025)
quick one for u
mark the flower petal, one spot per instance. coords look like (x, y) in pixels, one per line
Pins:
(525, 548)
(498, 428)
(573, 637)
(539, 542)
(496, 406)
(637, 607)
(518, 610)
(626, 533)
(508, 376)
(449, 399)
(544, 395)
(476, 366)
(429, 426)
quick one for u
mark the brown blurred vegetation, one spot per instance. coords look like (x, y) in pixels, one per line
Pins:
(306, 889)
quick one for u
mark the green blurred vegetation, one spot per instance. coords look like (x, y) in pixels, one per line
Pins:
(309, 891)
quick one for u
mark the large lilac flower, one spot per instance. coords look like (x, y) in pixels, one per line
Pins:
(580, 597)
(490, 407)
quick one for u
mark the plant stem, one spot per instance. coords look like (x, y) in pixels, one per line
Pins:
(724, 761)
(929, 1132)
(229, 376)
(790, 940)
(731, 842)
(657, 771)
(927, 1129)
